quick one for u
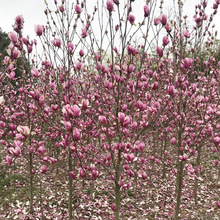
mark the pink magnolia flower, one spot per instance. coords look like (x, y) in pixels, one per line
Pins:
(76, 111)
(168, 27)
(24, 130)
(156, 21)
(132, 50)
(187, 62)
(160, 51)
(35, 73)
(77, 134)
(68, 126)
(165, 41)
(143, 176)
(39, 29)
(131, 18)
(84, 33)
(81, 53)
(70, 47)
(127, 121)
(13, 37)
(110, 6)
(113, 207)
(95, 174)
(56, 42)
(71, 110)
(19, 19)
(155, 86)
(8, 160)
(61, 8)
(43, 169)
(102, 119)
(79, 66)
(73, 176)
(186, 34)
(121, 117)
(15, 151)
(163, 19)
(171, 90)
(130, 157)
(81, 173)
(218, 204)
(146, 11)
(85, 103)
(78, 10)
(173, 140)
(216, 141)
(41, 150)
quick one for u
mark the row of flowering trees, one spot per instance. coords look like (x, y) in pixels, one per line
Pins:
(137, 121)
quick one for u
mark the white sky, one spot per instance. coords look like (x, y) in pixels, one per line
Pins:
(33, 12)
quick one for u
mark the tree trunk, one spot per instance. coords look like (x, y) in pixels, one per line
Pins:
(179, 189)
(196, 180)
(70, 206)
(31, 182)
(117, 186)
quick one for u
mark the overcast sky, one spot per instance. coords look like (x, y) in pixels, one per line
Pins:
(33, 12)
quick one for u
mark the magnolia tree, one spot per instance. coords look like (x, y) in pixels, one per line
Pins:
(135, 125)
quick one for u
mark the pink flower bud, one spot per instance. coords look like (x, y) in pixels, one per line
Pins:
(131, 19)
(160, 51)
(218, 204)
(110, 6)
(165, 41)
(121, 117)
(81, 53)
(171, 90)
(173, 140)
(70, 47)
(146, 11)
(156, 21)
(102, 119)
(163, 19)
(187, 62)
(39, 29)
(43, 169)
(68, 126)
(73, 176)
(78, 10)
(84, 33)
(143, 176)
(78, 66)
(155, 86)
(113, 207)
(81, 173)
(8, 160)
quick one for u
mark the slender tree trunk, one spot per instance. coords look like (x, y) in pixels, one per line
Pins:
(117, 186)
(179, 189)
(198, 160)
(31, 182)
(70, 206)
